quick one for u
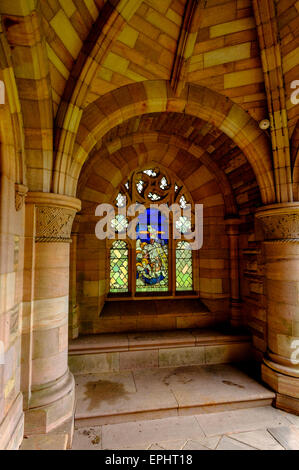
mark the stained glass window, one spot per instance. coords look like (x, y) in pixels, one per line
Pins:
(152, 173)
(184, 271)
(155, 251)
(183, 225)
(152, 252)
(154, 197)
(119, 267)
(140, 186)
(120, 223)
(121, 200)
(183, 202)
(164, 183)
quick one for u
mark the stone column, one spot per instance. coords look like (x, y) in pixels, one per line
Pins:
(232, 230)
(280, 224)
(73, 304)
(49, 384)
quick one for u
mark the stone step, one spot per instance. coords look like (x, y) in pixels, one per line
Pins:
(112, 353)
(156, 393)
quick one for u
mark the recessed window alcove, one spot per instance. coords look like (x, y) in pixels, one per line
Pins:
(154, 264)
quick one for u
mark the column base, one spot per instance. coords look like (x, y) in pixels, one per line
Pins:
(12, 427)
(287, 388)
(289, 404)
(51, 407)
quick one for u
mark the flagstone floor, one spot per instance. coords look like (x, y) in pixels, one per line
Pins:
(262, 428)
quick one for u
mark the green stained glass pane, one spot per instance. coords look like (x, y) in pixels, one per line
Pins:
(184, 270)
(119, 273)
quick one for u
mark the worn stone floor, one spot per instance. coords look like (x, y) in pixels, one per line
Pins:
(216, 407)
(262, 428)
(111, 398)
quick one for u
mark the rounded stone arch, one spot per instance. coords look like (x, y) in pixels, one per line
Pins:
(137, 148)
(157, 96)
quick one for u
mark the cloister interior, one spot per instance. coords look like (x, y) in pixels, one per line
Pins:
(119, 102)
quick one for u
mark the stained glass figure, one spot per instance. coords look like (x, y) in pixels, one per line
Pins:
(152, 252)
(119, 267)
(184, 271)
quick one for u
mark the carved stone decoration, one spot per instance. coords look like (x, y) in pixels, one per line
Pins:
(281, 227)
(21, 192)
(54, 215)
(54, 224)
(280, 222)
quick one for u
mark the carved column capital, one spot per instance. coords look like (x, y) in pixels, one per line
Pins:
(54, 224)
(54, 215)
(280, 222)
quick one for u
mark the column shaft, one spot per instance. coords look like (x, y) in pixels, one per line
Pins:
(73, 304)
(51, 391)
(281, 247)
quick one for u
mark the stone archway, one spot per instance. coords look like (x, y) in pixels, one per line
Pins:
(157, 96)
